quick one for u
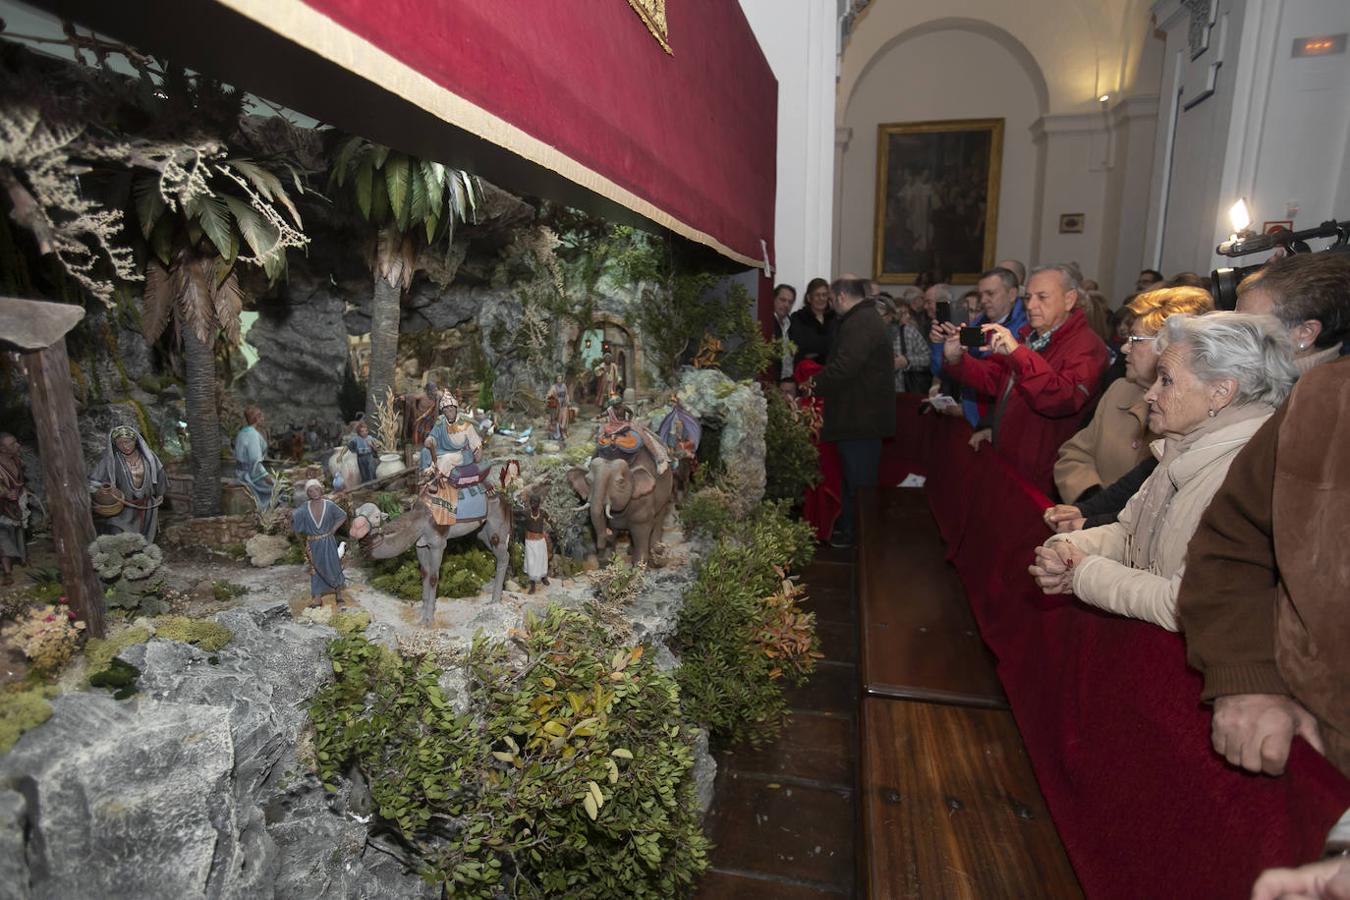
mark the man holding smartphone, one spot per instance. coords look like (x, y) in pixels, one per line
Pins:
(1043, 376)
(999, 305)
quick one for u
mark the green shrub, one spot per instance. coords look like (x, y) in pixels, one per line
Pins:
(791, 460)
(21, 708)
(741, 633)
(207, 635)
(463, 574)
(295, 555)
(225, 591)
(706, 512)
(99, 652)
(572, 778)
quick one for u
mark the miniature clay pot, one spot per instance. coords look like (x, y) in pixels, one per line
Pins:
(390, 464)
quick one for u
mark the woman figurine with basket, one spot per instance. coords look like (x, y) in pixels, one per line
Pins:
(128, 484)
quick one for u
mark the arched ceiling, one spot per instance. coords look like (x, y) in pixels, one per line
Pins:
(1077, 49)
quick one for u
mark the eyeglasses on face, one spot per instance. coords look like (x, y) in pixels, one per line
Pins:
(1136, 338)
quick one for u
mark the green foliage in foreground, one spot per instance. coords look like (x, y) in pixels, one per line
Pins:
(22, 708)
(791, 460)
(204, 633)
(741, 633)
(571, 779)
(463, 574)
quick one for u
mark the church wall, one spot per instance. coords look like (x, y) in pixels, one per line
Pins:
(798, 39)
(1274, 131)
(948, 74)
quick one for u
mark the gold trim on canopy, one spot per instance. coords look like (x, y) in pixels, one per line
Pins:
(311, 29)
(653, 13)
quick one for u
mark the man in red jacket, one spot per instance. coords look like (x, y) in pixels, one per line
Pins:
(1042, 378)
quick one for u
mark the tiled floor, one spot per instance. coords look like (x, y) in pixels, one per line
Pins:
(784, 816)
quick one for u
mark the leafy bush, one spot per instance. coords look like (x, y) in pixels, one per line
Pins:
(619, 582)
(572, 779)
(741, 633)
(21, 708)
(791, 460)
(389, 504)
(46, 589)
(463, 574)
(706, 512)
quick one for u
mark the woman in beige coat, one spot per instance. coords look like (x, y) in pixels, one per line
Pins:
(1117, 438)
(1219, 377)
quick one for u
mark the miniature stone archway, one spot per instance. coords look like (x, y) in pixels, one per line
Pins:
(630, 344)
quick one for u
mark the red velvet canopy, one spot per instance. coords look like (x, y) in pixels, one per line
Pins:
(686, 139)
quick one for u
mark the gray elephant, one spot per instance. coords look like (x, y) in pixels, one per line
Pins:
(632, 493)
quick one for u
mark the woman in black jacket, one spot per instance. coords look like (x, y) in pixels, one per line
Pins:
(812, 327)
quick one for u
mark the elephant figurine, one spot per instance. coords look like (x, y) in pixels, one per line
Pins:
(632, 495)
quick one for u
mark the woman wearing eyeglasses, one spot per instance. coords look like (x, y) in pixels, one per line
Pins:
(1117, 438)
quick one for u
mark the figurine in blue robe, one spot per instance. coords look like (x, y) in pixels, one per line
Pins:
(318, 520)
(250, 449)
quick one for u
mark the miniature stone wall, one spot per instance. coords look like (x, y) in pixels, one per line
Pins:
(216, 532)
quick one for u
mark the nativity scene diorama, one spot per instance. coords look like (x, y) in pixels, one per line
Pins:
(288, 402)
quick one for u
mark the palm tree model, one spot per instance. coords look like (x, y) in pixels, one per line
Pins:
(407, 201)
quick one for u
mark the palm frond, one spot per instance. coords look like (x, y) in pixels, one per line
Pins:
(344, 159)
(156, 302)
(361, 185)
(228, 299)
(259, 234)
(417, 203)
(397, 176)
(213, 216)
(149, 202)
(192, 289)
(266, 183)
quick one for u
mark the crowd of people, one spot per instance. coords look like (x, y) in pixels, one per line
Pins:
(1194, 458)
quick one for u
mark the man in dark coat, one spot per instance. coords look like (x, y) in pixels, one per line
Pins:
(857, 389)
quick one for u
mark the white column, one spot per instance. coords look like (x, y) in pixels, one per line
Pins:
(798, 40)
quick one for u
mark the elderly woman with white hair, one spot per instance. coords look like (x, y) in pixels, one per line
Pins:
(1219, 377)
(317, 521)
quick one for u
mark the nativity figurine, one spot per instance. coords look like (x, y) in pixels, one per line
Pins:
(558, 402)
(536, 544)
(317, 521)
(250, 450)
(129, 484)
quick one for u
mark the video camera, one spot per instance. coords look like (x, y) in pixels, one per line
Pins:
(1226, 280)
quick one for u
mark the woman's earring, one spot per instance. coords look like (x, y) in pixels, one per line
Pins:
(1212, 413)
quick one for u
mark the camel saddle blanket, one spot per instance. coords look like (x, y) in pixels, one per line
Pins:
(449, 504)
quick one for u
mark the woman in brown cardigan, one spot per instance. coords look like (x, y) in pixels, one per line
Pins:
(1117, 438)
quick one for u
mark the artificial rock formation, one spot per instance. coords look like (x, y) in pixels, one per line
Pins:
(742, 412)
(193, 789)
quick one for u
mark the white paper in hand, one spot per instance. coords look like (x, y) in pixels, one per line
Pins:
(912, 481)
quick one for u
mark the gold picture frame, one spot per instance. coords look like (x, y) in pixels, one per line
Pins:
(937, 199)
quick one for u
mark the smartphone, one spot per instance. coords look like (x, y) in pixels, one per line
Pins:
(972, 336)
(942, 311)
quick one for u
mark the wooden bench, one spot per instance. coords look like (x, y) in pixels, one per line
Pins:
(950, 807)
(919, 639)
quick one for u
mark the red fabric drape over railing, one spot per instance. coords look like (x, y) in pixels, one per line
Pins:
(692, 133)
(1110, 714)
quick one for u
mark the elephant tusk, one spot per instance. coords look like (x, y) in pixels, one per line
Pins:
(608, 514)
(585, 505)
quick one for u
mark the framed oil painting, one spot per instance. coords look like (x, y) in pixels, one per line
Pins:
(937, 199)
